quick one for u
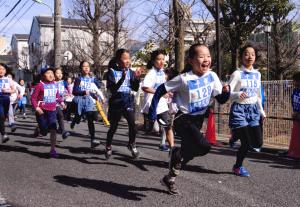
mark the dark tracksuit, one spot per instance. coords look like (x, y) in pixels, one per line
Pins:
(81, 85)
(121, 102)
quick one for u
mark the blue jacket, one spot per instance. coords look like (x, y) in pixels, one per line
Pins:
(120, 87)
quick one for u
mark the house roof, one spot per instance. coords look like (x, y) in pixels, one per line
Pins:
(65, 22)
(7, 59)
(21, 36)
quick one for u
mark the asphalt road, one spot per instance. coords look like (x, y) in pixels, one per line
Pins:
(82, 177)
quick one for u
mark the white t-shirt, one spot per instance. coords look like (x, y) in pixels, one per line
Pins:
(18, 90)
(193, 92)
(248, 81)
(153, 79)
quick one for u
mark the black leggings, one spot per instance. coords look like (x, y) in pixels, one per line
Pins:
(193, 143)
(70, 109)
(91, 116)
(114, 118)
(60, 118)
(249, 137)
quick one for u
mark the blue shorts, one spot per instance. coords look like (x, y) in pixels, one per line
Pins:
(46, 121)
(242, 115)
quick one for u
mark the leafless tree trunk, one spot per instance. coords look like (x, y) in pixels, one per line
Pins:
(179, 35)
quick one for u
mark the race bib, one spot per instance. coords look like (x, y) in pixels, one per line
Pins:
(250, 83)
(296, 101)
(200, 91)
(61, 88)
(160, 79)
(4, 84)
(125, 87)
(85, 83)
(50, 91)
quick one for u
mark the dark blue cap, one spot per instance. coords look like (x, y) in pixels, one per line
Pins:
(44, 70)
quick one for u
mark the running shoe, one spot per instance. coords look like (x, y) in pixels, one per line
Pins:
(108, 152)
(65, 134)
(134, 152)
(94, 143)
(53, 154)
(72, 125)
(253, 149)
(231, 143)
(170, 185)
(164, 148)
(240, 171)
(5, 138)
(13, 128)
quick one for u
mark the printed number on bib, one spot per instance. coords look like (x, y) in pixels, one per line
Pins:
(125, 87)
(250, 84)
(296, 101)
(200, 93)
(4, 84)
(50, 93)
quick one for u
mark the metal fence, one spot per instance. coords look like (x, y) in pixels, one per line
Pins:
(277, 126)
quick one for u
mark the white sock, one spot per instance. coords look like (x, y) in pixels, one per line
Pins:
(163, 136)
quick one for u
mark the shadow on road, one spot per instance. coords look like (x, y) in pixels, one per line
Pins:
(45, 155)
(116, 189)
(271, 159)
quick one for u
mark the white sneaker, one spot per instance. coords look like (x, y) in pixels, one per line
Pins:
(5, 138)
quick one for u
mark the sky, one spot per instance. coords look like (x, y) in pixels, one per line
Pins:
(137, 13)
(19, 21)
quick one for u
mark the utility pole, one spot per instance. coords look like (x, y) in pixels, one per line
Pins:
(218, 44)
(57, 33)
(116, 26)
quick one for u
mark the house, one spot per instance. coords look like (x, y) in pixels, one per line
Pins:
(199, 31)
(20, 53)
(76, 38)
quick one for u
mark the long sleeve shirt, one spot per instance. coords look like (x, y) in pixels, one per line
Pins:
(46, 96)
(193, 93)
(121, 88)
(248, 81)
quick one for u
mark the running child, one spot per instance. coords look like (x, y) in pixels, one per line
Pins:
(16, 95)
(154, 78)
(294, 148)
(62, 91)
(246, 108)
(121, 82)
(193, 91)
(85, 92)
(6, 88)
(44, 100)
(23, 99)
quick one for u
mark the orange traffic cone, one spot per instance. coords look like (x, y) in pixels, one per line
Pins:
(211, 129)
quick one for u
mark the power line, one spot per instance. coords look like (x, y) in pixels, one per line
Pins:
(10, 11)
(18, 20)
(14, 16)
(13, 8)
